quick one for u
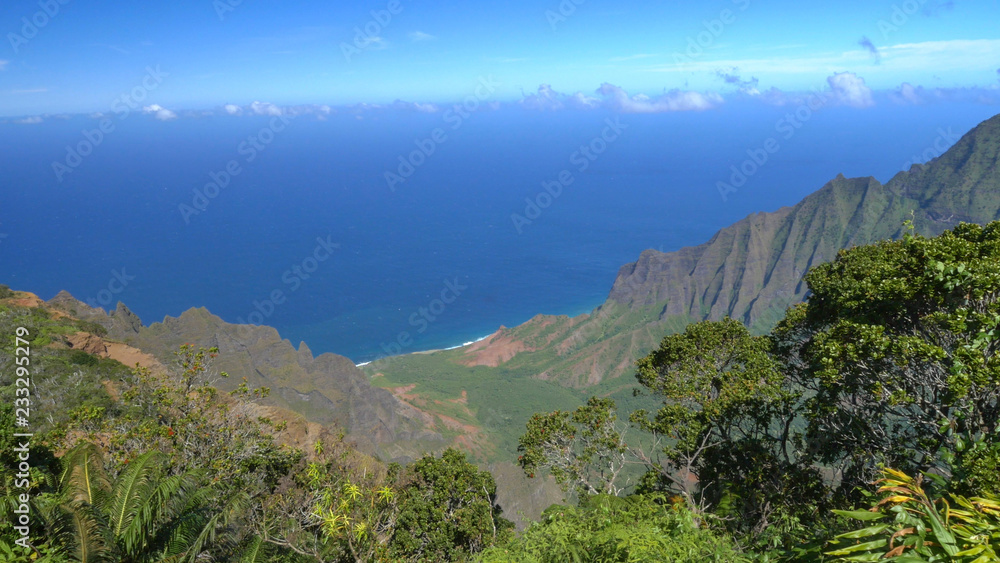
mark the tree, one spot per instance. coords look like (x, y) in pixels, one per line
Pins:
(898, 350)
(726, 422)
(723, 438)
(447, 510)
(585, 449)
(435, 509)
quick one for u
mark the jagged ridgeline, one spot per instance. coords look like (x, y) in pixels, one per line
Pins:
(327, 389)
(751, 270)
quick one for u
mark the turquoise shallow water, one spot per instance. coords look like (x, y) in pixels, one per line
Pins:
(309, 237)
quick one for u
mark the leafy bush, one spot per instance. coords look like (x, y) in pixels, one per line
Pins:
(81, 358)
(447, 510)
(602, 528)
(5, 292)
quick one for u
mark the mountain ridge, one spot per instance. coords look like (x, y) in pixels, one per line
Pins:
(327, 389)
(751, 270)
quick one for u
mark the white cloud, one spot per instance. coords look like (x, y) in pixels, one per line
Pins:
(548, 99)
(30, 91)
(850, 89)
(775, 97)
(3, 64)
(907, 94)
(846, 89)
(264, 108)
(415, 106)
(159, 112)
(616, 98)
(545, 99)
(420, 36)
(273, 110)
(674, 100)
(582, 101)
(29, 120)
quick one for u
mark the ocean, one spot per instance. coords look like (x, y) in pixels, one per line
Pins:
(482, 221)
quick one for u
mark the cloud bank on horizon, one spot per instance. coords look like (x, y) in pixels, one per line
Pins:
(650, 58)
(844, 89)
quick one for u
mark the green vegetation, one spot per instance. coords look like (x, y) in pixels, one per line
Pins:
(440, 384)
(161, 466)
(607, 528)
(741, 447)
(891, 363)
(447, 510)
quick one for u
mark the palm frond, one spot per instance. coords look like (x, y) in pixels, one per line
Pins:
(254, 551)
(83, 476)
(128, 507)
(88, 546)
(204, 530)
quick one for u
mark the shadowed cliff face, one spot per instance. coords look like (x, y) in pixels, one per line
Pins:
(327, 389)
(752, 270)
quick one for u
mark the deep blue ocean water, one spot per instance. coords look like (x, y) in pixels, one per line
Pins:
(448, 227)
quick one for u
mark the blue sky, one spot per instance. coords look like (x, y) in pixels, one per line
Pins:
(220, 52)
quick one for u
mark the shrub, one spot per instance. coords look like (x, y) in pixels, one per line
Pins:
(608, 528)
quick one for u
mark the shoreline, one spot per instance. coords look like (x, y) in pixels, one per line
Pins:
(431, 351)
(586, 311)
